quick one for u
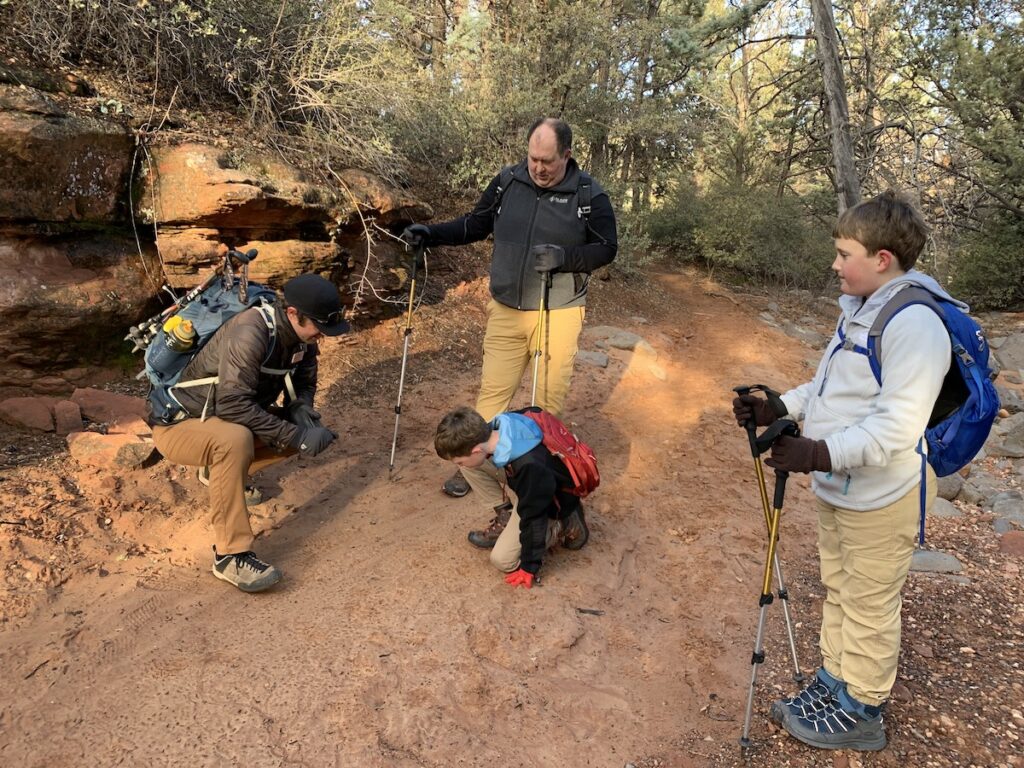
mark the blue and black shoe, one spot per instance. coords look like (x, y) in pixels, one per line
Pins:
(815, 697)
(842, 723)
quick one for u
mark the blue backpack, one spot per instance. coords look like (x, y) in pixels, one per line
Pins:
(208, 312)
(967, 403)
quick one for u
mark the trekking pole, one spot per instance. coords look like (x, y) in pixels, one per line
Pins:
(418, 250)
(541, 330)
(756, 450)
(758, 657)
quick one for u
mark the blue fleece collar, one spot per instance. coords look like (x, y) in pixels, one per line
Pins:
(517, 435)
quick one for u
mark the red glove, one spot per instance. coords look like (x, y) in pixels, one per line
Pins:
(520, 578)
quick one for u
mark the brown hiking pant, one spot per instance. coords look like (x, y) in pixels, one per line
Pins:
(232, 452)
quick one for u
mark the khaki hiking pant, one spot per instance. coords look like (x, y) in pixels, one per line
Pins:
(509, 343)
(232, 452)
(865, 557)
(507, 550)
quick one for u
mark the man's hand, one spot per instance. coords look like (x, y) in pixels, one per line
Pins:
(416, 235)
(547, 257)
(313, 440)
(520, 578)
(303, 415)
(747, 407)
(800, 454)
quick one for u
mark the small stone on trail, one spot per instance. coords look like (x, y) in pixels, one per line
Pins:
(945, 509)
(1012, 543)
(598, 359)
(926, 561)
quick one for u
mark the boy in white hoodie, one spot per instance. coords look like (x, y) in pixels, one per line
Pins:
(860, 443)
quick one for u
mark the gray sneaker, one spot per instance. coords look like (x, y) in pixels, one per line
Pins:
(245, 571)
(832, 727)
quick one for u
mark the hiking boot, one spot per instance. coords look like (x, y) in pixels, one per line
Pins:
(456, 486)
(253, 495)
(574, 530)
(245, 571)
(485, 539)
(832, 727)
(812, 699)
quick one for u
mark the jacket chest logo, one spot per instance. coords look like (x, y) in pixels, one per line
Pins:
(561, 199)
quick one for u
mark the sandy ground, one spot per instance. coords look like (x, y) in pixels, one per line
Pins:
(392, 641)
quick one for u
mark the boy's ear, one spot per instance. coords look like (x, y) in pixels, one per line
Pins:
(885, 259)
(478, 448)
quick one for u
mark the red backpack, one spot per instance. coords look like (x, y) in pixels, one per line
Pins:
(577, 456)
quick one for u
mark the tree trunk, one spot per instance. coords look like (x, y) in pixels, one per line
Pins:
(846, 181)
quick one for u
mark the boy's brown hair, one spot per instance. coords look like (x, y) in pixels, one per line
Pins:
(459, 432)
(886, 221)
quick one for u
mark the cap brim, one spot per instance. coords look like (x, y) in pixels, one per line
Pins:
(334, 329)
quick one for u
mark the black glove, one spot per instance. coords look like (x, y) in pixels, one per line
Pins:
(312, 440)
(303, 415)
(747, 407)
(547, 257)
(800, 454)
(416, 235)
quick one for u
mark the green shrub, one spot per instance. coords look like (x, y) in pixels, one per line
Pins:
(747, 231)
(988, 268)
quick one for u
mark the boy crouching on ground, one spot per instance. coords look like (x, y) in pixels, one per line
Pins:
(545, 512)
(859, 444)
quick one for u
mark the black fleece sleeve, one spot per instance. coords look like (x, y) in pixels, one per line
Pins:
(475, 225)
(535, 486)
(602, 240)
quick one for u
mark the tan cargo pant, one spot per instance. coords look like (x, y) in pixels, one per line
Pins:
(865, 557)
(232, 452)
(509, 343)
(507, 549)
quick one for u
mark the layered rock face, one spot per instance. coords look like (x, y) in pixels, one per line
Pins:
(93, 223)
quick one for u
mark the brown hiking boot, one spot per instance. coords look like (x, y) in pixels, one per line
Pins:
(574, 529)
(485, 539)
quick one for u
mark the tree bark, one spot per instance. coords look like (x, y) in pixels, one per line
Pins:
(847, 182)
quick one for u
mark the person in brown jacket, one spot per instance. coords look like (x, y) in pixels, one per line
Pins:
(231, 428)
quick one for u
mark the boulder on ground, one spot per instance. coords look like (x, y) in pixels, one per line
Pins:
(109, 451)
(101, 406)
(31, 412)
(67, 417)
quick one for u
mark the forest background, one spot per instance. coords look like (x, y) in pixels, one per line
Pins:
(727, 133)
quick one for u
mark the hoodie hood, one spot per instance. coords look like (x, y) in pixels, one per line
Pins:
(517, 434)
(863, 311)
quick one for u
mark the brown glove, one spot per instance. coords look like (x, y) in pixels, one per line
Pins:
(747, 407)
(800, 454)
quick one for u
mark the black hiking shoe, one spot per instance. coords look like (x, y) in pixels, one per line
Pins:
(253, 495)
(832, 727)
(456, 486)
(486, 538)
(245, 571)
(812, 699)
(574, 530)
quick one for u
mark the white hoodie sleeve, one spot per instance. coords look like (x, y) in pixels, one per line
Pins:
(915, 358)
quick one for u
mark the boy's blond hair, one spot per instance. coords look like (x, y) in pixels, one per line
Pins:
(459, 432)
(886, 221)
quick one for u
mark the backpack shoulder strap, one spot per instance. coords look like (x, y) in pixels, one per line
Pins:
(584, 194)
(504, 179)
(909, 296)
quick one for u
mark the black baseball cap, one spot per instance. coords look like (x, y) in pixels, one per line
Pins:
(318, 300)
